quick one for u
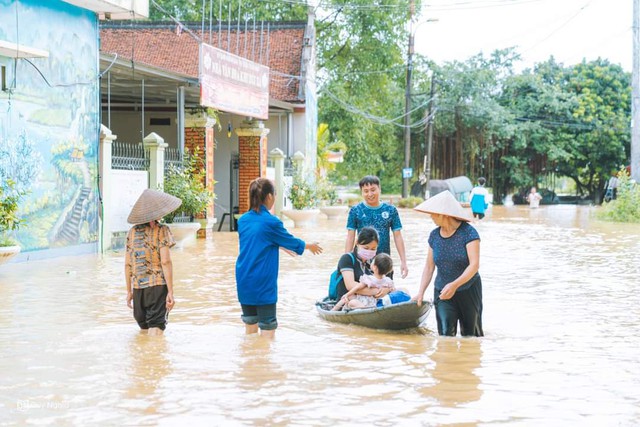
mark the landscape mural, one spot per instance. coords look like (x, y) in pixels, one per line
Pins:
(49, 121)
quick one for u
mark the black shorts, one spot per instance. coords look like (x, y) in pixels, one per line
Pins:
(478, 215)
(150, 307)
(263, 315)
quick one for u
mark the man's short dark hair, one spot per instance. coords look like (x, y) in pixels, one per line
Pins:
(481, 180)
(369, 180)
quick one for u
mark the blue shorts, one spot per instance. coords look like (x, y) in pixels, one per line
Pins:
(263, 315)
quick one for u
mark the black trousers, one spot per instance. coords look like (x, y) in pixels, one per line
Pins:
(465, 307)
(150, 307)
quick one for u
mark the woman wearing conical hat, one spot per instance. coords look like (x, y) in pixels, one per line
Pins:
(148, 268)
(454, 249)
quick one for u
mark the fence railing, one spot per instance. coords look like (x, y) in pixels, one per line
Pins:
(172, 159)
(127, 156)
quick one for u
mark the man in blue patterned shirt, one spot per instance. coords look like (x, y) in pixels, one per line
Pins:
(381, 216)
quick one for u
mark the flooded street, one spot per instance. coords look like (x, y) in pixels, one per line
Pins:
(561, 319)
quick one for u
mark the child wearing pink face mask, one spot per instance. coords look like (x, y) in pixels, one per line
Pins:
(356, 264)
(381, 265)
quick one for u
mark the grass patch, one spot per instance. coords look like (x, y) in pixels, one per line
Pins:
(626, 207)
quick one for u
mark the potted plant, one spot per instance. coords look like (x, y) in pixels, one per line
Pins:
(9, 220)
(303, 197)
(331, 206)
(187, 184)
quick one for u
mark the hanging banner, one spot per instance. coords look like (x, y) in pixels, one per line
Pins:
(233, 84)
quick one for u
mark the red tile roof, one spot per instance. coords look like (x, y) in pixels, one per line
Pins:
(170, 47)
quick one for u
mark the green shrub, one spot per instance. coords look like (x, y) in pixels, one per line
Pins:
(327, 192)
(626, 206)
(187, 184)
(301, 193)
(9, 219)
(410, 202)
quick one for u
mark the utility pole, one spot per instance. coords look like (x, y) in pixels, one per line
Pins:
(635, 95)
(407, 105)
(427, 169)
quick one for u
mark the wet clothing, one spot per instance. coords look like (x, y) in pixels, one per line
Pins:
(534, 200)
(150, 307)
(347, 263)
(143, 254)
(383, 218)
(263, 315)
(147, 277)
(451, 259)
(479, 198)
(260, 237)
(464, 307)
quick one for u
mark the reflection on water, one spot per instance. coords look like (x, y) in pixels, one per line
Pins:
(148, 367)
(561, 315)
(455, 362)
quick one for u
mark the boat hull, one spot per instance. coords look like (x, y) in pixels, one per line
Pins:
(404, 315)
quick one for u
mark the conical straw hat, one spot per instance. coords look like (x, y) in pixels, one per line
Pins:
(444, 204)
(152, 205)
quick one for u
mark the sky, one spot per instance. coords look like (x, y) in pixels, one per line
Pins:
(570, 30)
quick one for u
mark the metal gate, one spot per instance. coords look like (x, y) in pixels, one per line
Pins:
(234, 182)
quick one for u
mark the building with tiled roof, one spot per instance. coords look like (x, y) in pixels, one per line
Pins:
(151, 82)
(175, 47)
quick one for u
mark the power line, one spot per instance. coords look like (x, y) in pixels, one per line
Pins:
(379, 119)
(564, 24)
(476, 5)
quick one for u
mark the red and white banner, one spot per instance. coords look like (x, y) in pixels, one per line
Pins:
(233, 84)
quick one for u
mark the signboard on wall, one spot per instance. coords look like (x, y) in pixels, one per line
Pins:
(126, 187)
(233, 84)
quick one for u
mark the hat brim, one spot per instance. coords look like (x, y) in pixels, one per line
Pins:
(152, 205)
(450, 207)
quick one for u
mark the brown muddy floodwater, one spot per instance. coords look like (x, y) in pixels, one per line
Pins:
(561, 318)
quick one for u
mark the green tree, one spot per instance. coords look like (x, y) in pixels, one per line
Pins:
(191, 10)
(601, 135)
(541, 136)
(361, 64)
(470, 118)
(327, 145)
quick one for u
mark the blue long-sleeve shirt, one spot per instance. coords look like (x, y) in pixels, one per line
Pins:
(260, 237)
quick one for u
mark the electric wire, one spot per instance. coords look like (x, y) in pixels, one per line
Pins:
(564, 24)
(378, 119)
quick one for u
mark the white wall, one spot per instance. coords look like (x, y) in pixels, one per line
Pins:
(128, 126)
(277, 138)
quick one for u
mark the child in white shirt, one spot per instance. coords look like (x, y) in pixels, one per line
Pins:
(381, 265)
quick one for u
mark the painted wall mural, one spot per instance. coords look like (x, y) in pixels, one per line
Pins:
(49, 121)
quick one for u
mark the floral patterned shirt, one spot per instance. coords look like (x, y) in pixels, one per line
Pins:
(143, 254)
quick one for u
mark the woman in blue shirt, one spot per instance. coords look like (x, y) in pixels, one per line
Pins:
(260, 237)
(454, 248)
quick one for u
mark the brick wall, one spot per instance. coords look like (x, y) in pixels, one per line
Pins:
(202, 139)
(253, 158)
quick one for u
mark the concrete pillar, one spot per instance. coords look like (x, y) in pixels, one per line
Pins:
(277, 156)
(199, 135)
(252, 147)
(156, 145)
(298, 161)
(104, 185)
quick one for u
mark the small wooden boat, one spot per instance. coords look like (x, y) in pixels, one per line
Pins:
(404, 315)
